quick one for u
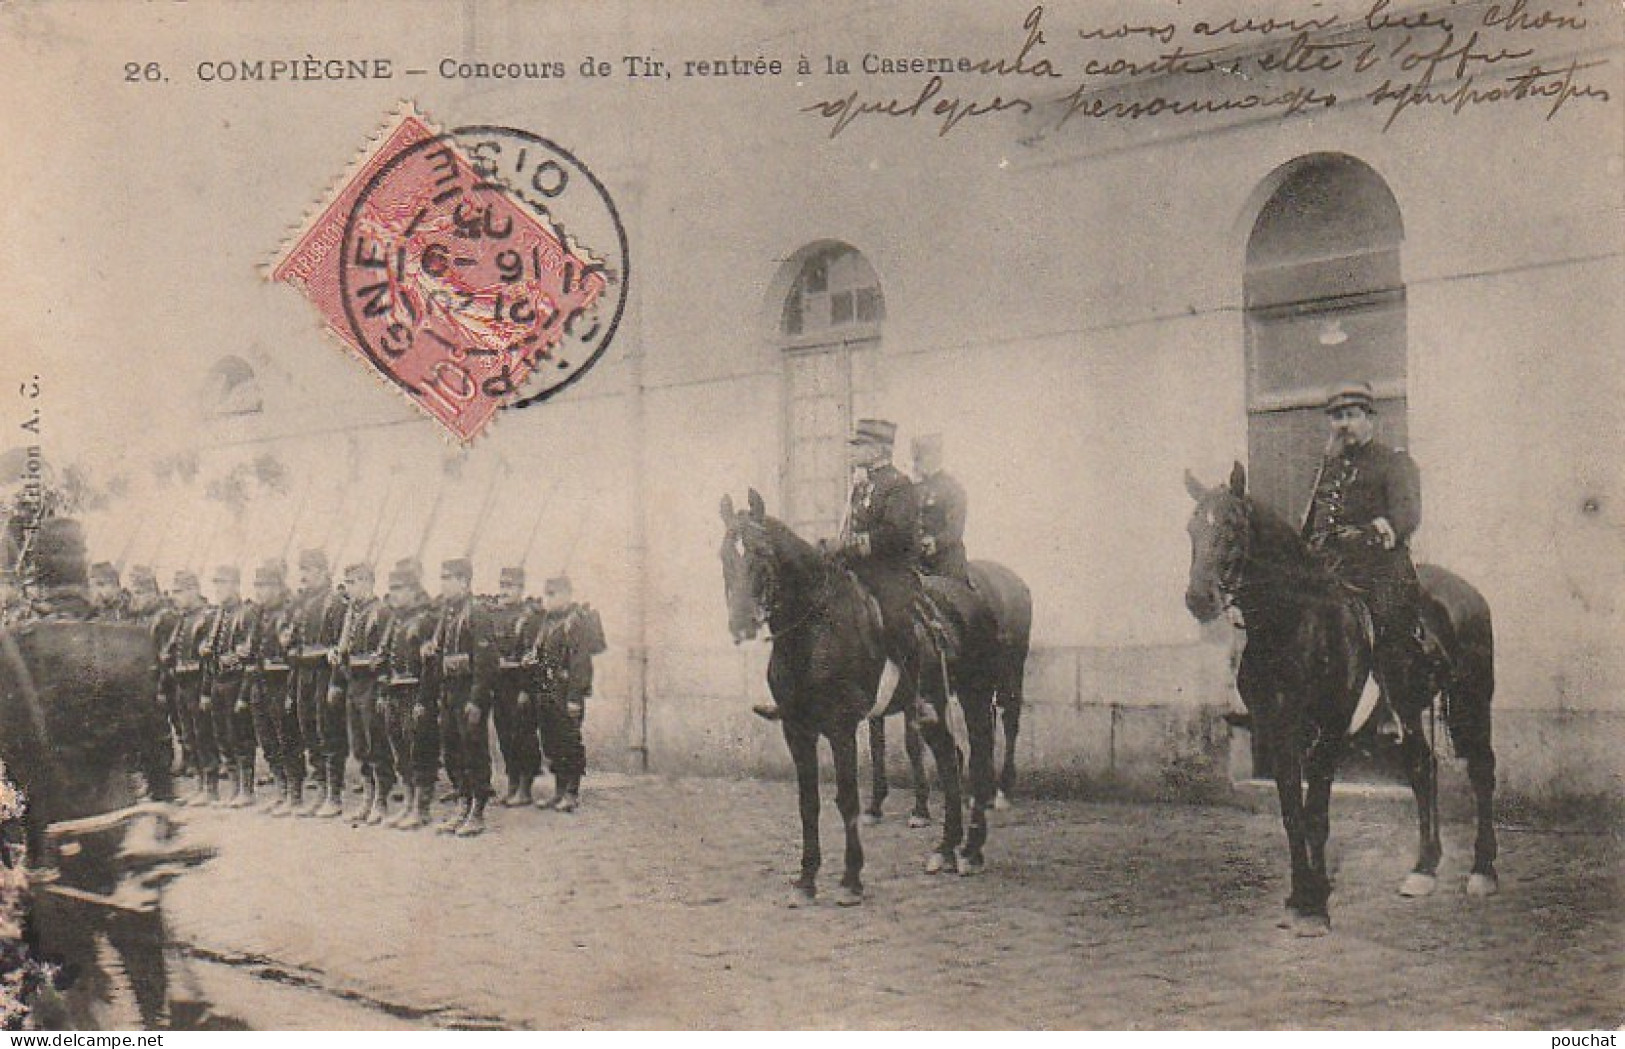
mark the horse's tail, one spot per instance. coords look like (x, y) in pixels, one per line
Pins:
(1459, 618)
(1011, 601)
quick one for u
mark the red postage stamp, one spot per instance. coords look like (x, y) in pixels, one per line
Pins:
(455, 264)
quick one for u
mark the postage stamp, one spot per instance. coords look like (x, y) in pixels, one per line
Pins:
(478, 269)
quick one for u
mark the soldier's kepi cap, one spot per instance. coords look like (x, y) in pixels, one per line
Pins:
(271, 572)
(185, 579)
(142, 577)
(1350, 394)
(511, 575)
(461, 567)
(559, 584)
(407, 572)
(874, 431)
(357, 572)
(59, 553)
(228, 574)
(104, 572)
(314, 560)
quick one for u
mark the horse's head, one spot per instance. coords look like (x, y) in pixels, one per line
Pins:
(1219, 530)
(749, 567)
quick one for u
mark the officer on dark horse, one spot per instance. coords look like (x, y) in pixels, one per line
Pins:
(1328, 604)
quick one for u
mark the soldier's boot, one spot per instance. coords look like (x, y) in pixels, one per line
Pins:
(332, 800)
(570, 799)
(522, 794)
(199, 796)
(418, 814)
(234, 775)
(369, 798)
(380, 804)
(296, 798)
(449, 825)
(474, 824)
(318, 797)
(511, 798)
(408, 806)
(244, 797)
(275, 806)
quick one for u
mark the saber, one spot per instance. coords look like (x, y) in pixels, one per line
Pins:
(536, 525)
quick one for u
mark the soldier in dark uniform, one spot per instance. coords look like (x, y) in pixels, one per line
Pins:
(318, 619)
(1366, 505)
(411, 715)
(463, 659)
(514, 623)
(158, 747)
(226, 631)
(357, 664)
(268, 680)
(182, 661)
(107, 600)
(882, 545)
(943, 507)
(560, 663)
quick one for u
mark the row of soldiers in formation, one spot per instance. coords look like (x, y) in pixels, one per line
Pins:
(404, 685)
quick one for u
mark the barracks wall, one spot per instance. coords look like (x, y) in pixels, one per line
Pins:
(1069, 315)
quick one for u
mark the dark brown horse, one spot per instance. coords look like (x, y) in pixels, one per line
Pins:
(825, 671)
(1011, 603)
(1306, 663)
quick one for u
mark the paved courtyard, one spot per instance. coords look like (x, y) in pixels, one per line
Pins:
(662, 904)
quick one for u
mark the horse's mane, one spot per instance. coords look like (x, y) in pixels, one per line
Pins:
(1282, 552)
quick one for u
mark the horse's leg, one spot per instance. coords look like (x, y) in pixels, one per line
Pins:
(978, 708)
(946, 754)
(1009, 712)
(1422, 766)
(921, 816)
(845, 748)
(1320, 768)
(880, 786)
(803, 742)
(1469, 710)
(1287, 751)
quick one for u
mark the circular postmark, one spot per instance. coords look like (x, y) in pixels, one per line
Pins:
(482, 269)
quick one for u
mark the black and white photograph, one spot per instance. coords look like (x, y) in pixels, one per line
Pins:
(1100, 515)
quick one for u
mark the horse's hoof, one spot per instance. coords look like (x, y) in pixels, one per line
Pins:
(869, 819)
(1418, 884)
(1482, 884)
(801, 896)
(849, 897)
(916, 821)
(1307, 926)
(1000, 802)
(935, 863)
(970, 865)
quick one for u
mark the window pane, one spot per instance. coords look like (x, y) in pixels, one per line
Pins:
(840, 308)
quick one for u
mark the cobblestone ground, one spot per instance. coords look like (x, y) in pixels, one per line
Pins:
(662, 904)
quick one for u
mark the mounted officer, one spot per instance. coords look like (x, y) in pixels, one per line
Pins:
(514, 622)
(943, 507)
(881, 543)
(411, 718)
(1366, 505)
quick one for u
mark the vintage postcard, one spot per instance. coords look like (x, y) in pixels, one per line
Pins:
(482, 478)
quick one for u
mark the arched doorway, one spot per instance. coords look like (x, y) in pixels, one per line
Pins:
(829, 333)
(1325, 303)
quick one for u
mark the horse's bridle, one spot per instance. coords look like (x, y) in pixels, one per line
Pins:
(815, 607)
(1230, 583)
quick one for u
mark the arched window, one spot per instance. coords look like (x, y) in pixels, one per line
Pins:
(1325, 303)
(829, 331)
